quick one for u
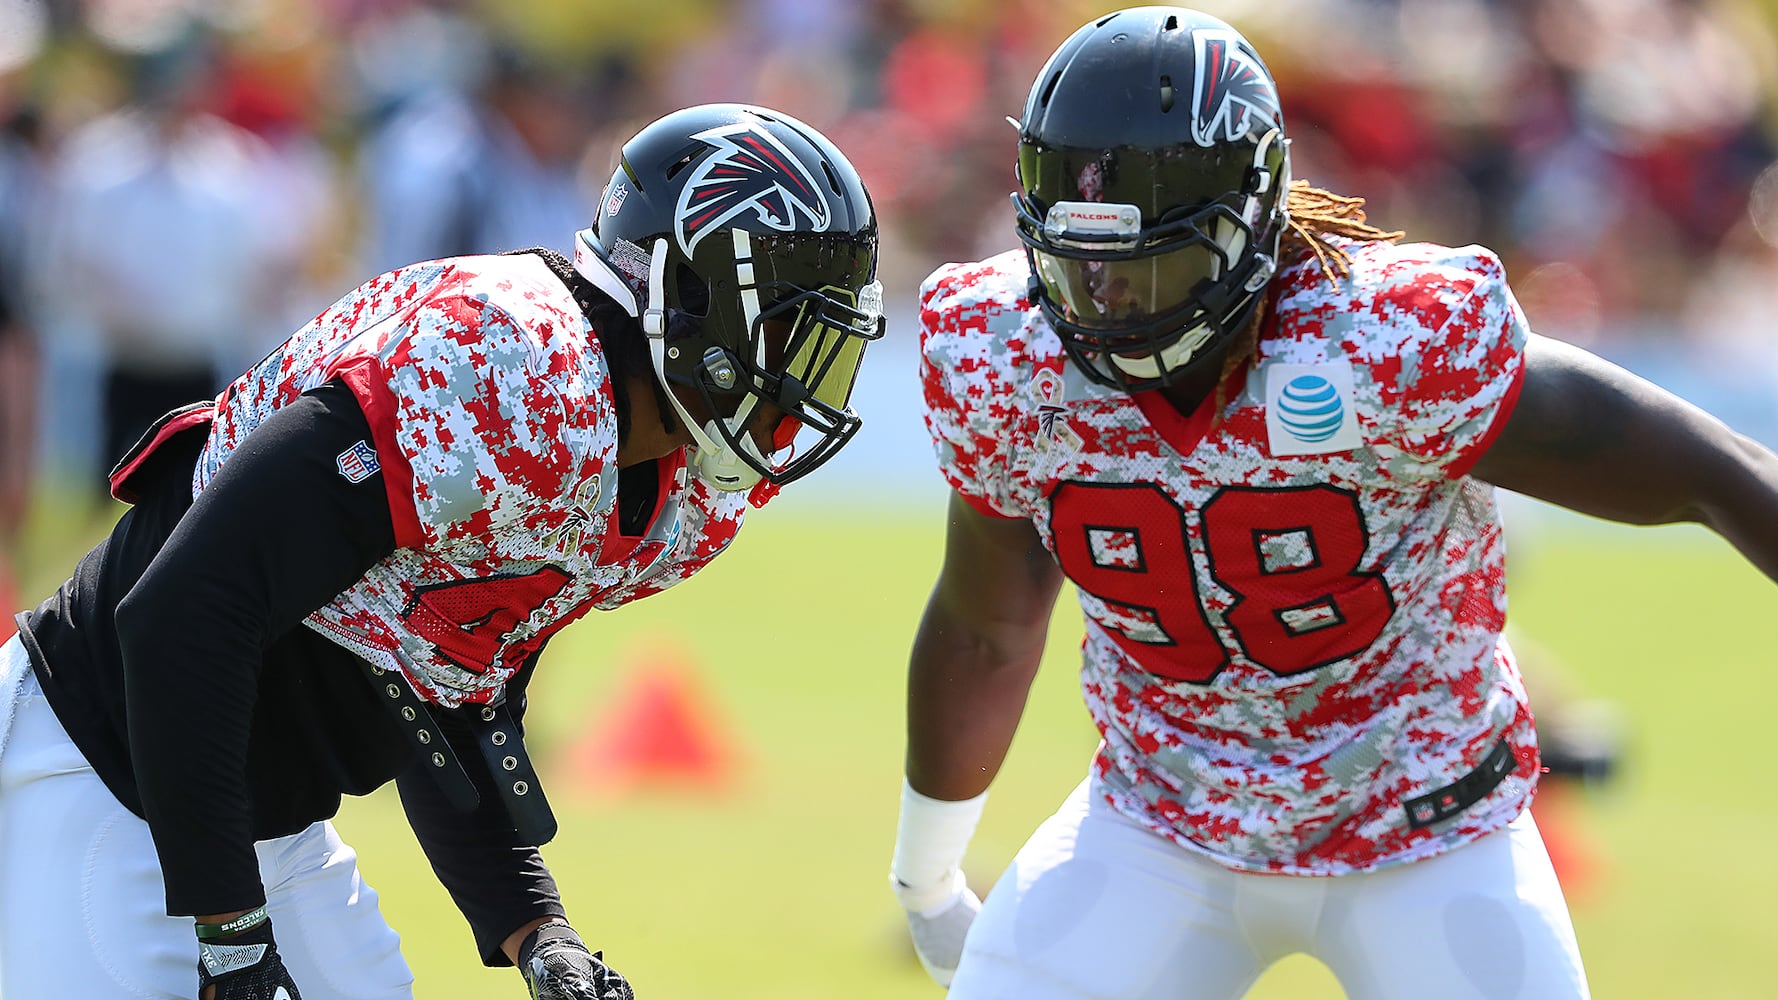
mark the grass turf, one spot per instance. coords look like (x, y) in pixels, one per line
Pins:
(774, 885)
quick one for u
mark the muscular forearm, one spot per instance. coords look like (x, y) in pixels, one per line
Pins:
(1746, 512)
(976, 652)
(973, 661)
(966, 694)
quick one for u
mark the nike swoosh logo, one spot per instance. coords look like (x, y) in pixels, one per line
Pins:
(282, 994)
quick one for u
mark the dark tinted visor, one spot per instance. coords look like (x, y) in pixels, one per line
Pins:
(1110, 293)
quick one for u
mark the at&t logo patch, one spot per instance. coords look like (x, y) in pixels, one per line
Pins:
(358, 462)
(1309, 409)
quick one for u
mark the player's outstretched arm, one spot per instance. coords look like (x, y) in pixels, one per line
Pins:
(974, 657)
(1594, 438)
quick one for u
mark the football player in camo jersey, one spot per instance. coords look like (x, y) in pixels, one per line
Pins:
(342, 571)
(1261, 438)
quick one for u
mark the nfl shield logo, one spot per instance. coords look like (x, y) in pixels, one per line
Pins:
(358, 463)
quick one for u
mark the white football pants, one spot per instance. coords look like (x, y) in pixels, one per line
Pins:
(83, 907)
(1095, 906)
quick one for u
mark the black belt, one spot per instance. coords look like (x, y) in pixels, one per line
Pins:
(496, 736)
(1443, 803)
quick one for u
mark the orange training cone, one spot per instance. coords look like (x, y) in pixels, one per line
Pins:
(1572, 851)
(655, 731)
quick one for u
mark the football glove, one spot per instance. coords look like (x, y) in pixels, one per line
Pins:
(557, 966)
(938, 930)
(245, 966)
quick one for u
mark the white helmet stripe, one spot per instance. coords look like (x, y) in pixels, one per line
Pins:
(749, 289)
(654, 324)
(717, 463)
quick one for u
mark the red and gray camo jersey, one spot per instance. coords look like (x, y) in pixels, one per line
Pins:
(490, 406)
(1292, 605)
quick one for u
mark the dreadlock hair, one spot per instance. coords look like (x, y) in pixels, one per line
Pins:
(620, 338)
(1315, 214)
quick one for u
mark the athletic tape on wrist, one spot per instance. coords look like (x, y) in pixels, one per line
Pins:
(930, 841)
(246, 921)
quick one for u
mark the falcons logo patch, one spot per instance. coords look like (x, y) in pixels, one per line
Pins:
(1053, 431)
(1232, 88)
(747, 173)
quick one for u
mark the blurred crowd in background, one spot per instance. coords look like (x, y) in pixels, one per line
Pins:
(183, 182)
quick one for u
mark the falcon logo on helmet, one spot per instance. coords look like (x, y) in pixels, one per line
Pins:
(1232, 85)
(750, 171)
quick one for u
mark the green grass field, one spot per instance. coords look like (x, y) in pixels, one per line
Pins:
(775, 887)
(798, 637)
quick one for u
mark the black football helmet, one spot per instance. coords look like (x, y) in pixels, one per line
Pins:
(747, 245)
(1153, 166)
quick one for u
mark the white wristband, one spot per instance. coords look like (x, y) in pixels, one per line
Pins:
(930, 841)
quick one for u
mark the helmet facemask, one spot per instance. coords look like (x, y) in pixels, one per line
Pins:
(791, 370)
(1139, 306)
(746, 245)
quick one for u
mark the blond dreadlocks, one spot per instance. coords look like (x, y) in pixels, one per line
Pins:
(1315, 214)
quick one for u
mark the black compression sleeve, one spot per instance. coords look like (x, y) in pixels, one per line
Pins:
(499, 883)
(278, 533)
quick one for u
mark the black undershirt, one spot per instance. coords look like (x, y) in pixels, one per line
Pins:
(176, 659)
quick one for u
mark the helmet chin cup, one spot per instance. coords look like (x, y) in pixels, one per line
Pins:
(720, 465)
(1144, 367)
(1172, 358)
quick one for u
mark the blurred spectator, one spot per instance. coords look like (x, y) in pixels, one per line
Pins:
(275, 86)
(498, 169)
(403, 50)
(20, 178)
(1607, 148)
(162, 252)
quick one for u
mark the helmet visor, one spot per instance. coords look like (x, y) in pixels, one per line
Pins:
(810, 348)
(816, 350)
(1111, 293)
